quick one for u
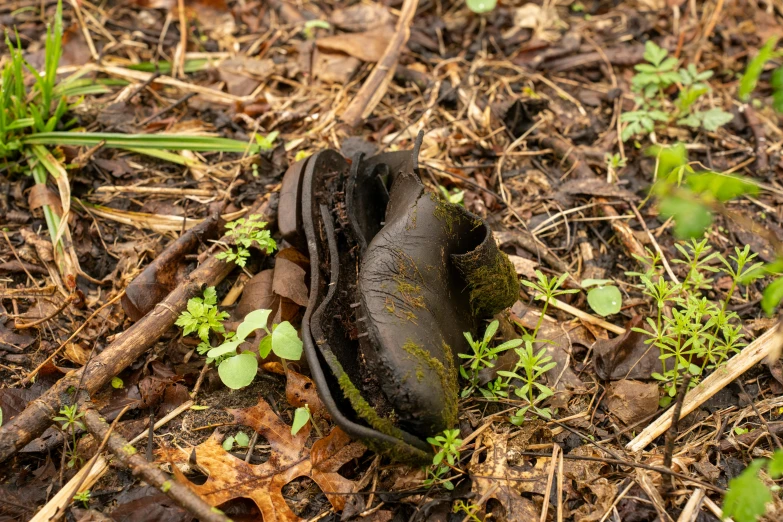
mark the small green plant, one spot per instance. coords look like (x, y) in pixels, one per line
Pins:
(748, 496)
(447, 457)
(301, 417)
(69, 416)
(546, 289)
(117, 383)
(698, 334)
(202, 317)
(756, 67)
(483, 356)
(238, 370)
(266, 143)
(311, 25)
(604, 298)
(246, 233)
(456, 196)
(481, 6)
(469, 508)
(653, 79)
(83, 497)
(240, 439)
(528, 370)
(614, 162)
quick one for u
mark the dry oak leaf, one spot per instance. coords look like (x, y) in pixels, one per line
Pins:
(496, 478)
(230, 477)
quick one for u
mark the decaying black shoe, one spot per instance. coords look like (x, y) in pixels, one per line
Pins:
(398, 274)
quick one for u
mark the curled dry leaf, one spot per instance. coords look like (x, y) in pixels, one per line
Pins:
(361, 17)
(632, 401)
(368, 46)
(626, 356)
(299, 390)
(162, 275)
(230, 477)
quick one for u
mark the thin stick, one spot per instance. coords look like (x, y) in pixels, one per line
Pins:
(584, 316)
(550, 477)
(63, 305)
(126, 453)
(671, 434)
(754, 353)
(374, 88)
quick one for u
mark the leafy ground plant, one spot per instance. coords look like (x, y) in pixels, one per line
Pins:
(202, 317)
(748, 496)
(651, 81)
(301, 417)
(69, 416)
(604, 298)
(483, 356)
(447, 457)
(698, 334)
(238, 370)
(246, 233)
(33, 118)
(753, 72)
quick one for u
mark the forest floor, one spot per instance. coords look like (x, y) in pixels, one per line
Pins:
(630, 146)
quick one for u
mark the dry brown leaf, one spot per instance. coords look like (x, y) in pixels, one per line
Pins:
(76, 354)
(496, 478)
(368, 46)
(632, 401)
(299, 389)
(361, 17)
(289, 281)
(230, 477)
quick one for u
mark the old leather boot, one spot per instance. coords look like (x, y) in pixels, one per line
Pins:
(398, 274)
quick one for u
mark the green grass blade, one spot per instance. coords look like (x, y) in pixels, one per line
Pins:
(142, 141)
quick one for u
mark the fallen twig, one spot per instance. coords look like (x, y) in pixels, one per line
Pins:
(37, 416)
(374, 88)
(126, 453)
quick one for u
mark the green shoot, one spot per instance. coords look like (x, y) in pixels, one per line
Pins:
(202, 317)
(301, 417)
(448, 445)
(605, 299)
(546, 290)
(240, 439)
(69, 416)
(456, 196)
(483, 356)
(529, 369)
(266, 143)
(238, 370)
(246, 233)
(311, 25)
(83, 497)
(481, 6)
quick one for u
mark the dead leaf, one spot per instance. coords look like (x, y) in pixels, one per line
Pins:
(299, 389)
(257, 295)
(76, 353)
(496, 478)
(230, 477)
(368, 46)
(524, 267)
(14, 342)
(632, 401)
(165, 271)
(243, 75)
(289, 281)
(626, 356)
(361, 17)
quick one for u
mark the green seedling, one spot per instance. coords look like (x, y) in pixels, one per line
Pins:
(753, 72)
(301, 417)
(246, 233)
(447, 457)
(83, 497)
(481, 6)
(456, 196)
(311, 25)
(747, 497)
(202, 317)
(528, 370)
(70, 417)
(241, 440)
(238, 370)
(117, 383)
(483, 356)
(266, 143)
(652, 80)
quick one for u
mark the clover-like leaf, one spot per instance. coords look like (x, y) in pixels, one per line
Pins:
(253, 321)
(238, 371)
(286, 343)
(301, 416)
(605, 300)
